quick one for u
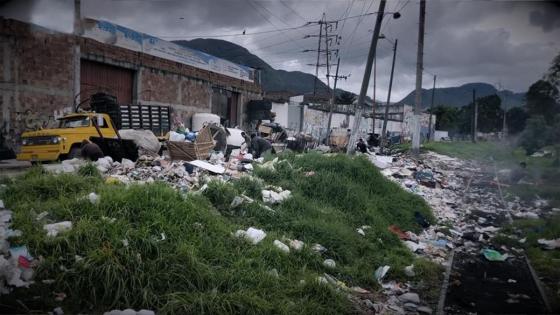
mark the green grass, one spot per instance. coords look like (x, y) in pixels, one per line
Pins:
(200, 267)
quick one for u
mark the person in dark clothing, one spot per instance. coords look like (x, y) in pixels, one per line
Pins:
(361, 145)
(90, 151)
(259, 146)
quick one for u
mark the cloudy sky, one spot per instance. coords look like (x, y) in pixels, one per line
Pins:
(499, 42)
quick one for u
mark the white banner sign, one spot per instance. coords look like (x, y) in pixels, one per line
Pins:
(120, 36)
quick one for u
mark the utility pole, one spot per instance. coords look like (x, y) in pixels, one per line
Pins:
(328, 26)
(367, 73)
(318, 55)
(419, 68)
(374, 89)
(77, 52)
(475, 116)
(384, 130)
(332, 102)
(430, 133)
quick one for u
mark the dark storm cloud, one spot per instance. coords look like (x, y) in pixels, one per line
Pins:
(489, 41)
(547, 16)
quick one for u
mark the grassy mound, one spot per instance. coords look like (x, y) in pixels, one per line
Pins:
(152, 247)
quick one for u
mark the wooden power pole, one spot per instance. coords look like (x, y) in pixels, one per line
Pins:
(365, 82)
(385, 117)
(419, 68)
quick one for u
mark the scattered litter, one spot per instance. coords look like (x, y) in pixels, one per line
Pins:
(272, 197)
(217, 169)
(381, 272)
(55, 228)
(398, 232)
(41, 215)
(409, 271)
(512, 281)
(549, 244)
(253, 235)
(493, 255)
(281, 246)
(361, 231)
(129, 311)
(318, 248)
(329, 263)
(93, 198)
(410, 297)
(59, 297)
(296, 245)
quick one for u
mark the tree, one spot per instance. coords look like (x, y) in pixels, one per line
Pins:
(516, 118)
(541, 100)
(447, 118)
(490, 115)
(535, 135)
(345, 98)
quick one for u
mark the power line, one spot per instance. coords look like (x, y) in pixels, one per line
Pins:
(291, 9)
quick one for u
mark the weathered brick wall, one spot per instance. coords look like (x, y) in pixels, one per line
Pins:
(37, 78)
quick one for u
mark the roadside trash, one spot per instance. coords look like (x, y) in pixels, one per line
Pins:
(512, 281)
(59, 297)
(55, 228)
(296, 245)
(273, 273)
(410, 297)
(318, 248)
(253, 235)
(322, 280)
(217, 169)
(361, 231)
(272, 197)
(414, 246)
(381, 272)
(421, 220)
(409, 271)
(58, 311)
(310, 173)
(329, 263)
(493, 255)
(41, 215)
(281, 246)
(129, 311)
(549, 244)
(93, 198)
(398, 232)
(426, 178)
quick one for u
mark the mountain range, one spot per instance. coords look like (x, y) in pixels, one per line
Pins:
(297, 82)
(272, 80)
(462, 95)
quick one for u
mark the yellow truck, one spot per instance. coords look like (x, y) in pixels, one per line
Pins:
(64, 142)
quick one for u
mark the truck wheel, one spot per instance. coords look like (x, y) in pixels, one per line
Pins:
(75, 153)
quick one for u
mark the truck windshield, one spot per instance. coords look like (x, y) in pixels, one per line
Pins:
(74, 122)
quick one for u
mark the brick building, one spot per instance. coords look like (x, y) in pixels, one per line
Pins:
(44, 74)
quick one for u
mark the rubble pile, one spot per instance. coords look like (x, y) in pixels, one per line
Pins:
(181, 175)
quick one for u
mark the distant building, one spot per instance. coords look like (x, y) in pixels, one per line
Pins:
(45, 74)
(313, 118)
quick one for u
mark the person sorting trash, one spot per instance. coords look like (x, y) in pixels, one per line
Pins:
(90, 150)
(259, 146)
(361, 146)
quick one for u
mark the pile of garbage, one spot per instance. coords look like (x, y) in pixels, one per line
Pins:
(16, 263)
(469, 208)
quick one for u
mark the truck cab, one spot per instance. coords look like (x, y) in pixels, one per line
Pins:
(64, 142)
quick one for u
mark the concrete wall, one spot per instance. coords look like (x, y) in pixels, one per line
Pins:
(37, 71)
